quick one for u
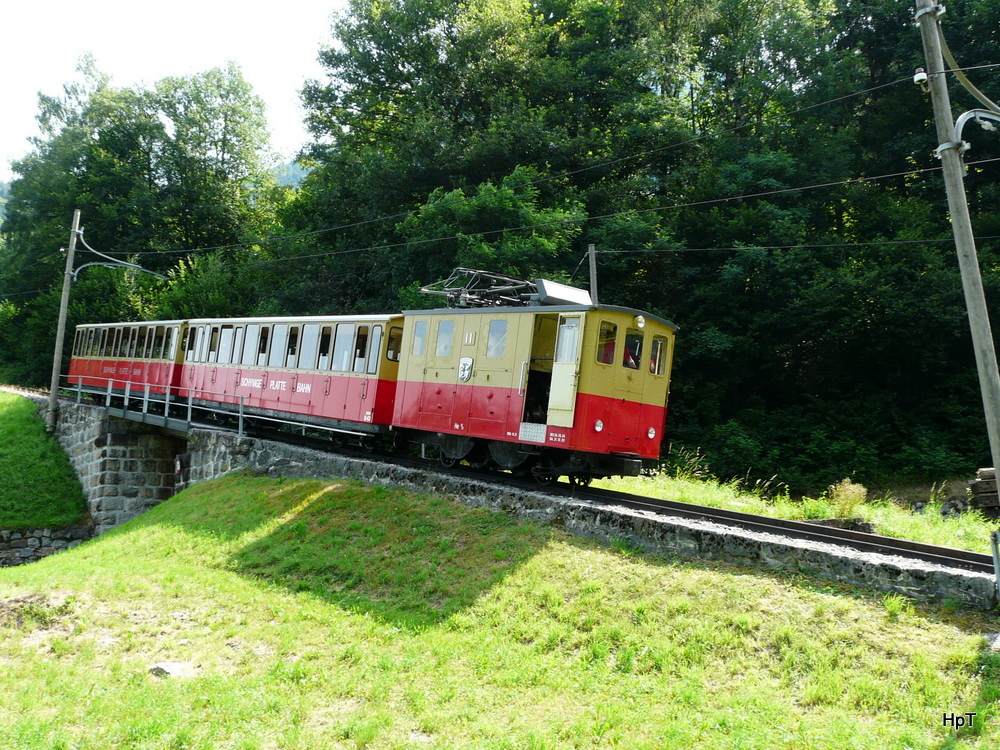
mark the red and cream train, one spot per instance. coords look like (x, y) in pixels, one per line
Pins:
(559, 389)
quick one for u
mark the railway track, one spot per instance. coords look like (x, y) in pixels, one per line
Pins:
(928, 554)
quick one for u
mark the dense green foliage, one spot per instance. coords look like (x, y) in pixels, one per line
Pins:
(39, 488)
(759, 172)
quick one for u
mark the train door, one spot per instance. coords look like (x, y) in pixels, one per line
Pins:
(565, 370)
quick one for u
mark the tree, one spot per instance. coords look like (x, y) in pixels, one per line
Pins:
(157, 173)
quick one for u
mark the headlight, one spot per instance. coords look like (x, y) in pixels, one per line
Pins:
(651, 433)
(598, 425)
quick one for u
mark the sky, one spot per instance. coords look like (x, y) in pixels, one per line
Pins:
(41, 42)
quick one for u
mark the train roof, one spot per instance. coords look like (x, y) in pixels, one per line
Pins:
(379, 318)
(528, 309)
(120, 323)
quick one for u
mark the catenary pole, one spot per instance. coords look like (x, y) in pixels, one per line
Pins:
(53, 411)
(592, 256)
(949, 151)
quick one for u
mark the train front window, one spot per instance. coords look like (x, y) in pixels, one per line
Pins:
(633, 349)
(496, 341)
(419, 338)
(607, 340)
(658, 355)
(445, 336)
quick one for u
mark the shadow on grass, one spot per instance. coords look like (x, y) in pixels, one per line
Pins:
(410, 559)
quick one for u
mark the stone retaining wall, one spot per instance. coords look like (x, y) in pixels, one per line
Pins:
(19, 547)
(125, 468)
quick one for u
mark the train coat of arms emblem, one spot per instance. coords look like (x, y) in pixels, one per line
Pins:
(465, 369)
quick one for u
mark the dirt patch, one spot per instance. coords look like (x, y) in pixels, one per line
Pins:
(34, 609)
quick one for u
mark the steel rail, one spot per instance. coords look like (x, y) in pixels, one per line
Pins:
(947, 557)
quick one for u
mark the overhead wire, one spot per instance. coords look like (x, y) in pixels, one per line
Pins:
(584, 219)
(530, 183)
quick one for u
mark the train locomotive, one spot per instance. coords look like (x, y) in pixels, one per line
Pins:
(528, 377)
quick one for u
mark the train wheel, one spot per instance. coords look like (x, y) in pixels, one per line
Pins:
(368, 443)
(447, 461)
(580, 480)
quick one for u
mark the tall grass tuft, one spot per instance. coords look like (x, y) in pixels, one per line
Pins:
(847, 497)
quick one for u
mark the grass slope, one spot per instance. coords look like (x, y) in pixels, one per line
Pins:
(37, 485)
(327, 614)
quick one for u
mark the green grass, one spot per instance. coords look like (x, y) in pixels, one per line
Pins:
(327, 614)
(969, 530)
(37, 485)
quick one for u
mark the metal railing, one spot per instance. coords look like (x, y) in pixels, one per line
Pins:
(149, 398)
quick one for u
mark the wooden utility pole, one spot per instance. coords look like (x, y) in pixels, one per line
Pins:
(592, 253)
(949, 151)
(53, 411)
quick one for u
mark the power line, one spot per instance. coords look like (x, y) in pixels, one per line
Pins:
(562, 175)
(636, 212)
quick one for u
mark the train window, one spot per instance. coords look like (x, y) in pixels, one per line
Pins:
(567, 339)
(343, 347)
(374, 349)
(310, 344)
(225, 345)
(189, 347)
(250, 345)
(292, 350)
(170, 344)
(607, 339)
(394, 344)
(237, 345)
(213, 345)
(265, 334)
(147, 337)
(79, 337)
(101, 343)
(201, 344)
(360, 349)
(279, 339)
(111, 344)
(658, 355)
(138, 343)
(128, 343)
(496, 343)
(632, 355)
(325, 342)
(419, 338)
(158, 334)
(445, 337)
